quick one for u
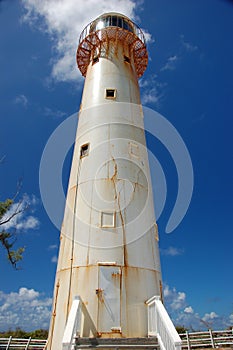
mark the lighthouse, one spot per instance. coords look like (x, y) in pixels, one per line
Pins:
(109, 257)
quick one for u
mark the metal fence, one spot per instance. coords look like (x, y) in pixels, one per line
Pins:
(209, 339)
(161, 326)
(190, 340)
(22, 344)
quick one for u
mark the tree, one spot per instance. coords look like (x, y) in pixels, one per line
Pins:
(8, 238)
(181, 329)
(19, 333)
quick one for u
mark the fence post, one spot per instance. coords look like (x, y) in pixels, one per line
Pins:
(9, 343)
(28, 343)
(211, 338)
(188, 342)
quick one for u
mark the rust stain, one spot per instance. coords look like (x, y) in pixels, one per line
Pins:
(50, 339)
(115, 333)
(99, 293)
(114, 176)
(117, 195)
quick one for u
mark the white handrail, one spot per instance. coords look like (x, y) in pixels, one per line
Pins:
(72, 325)
(21, 343)
(160, 325)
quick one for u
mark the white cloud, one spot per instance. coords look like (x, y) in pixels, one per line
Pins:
(29, 223)
(176, 300)
(52, 247)
(64, 20)
(189, 310)
(170, 64)
(53, 113)
(21, 100)
(27, 294)
(54, 259)
(208, 317)
(22, 221)
(27, 309)
(187, 45)
(184, 314)
(151, 90)
(171, 251)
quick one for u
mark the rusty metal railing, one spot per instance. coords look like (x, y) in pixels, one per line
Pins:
(132, 27)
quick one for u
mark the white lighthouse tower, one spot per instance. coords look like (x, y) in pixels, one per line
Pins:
(109, 259)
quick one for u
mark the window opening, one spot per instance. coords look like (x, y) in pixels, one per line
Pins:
(108, 219)
(110, 93)
(84, 150)
(95, 59)
(134, 149)
(126, 59)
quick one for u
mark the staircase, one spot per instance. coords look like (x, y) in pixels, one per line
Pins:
(116, 343)
(161, 331)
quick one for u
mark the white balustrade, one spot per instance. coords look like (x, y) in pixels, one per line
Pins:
(161, 326)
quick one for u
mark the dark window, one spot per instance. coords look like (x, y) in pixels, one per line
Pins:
(127, 26)
(114, 21)
(120, 22)
(126, 59)
(84, 150)
(95, 59)
(110, 93)
(107, 21)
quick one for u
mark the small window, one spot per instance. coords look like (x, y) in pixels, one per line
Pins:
(95, 60)
(110, 93)
(114, 21)
(126, 59)
(134, 149)
(84, 150)
(108, 219)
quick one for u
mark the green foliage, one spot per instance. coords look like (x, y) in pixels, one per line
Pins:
(8, 239)
(39, 334)
(19, 333)
(4, 207)
(181, 329)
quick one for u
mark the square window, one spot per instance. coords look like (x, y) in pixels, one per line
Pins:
(84, 151)
(134, 149)
(110, 93)
(108, 219)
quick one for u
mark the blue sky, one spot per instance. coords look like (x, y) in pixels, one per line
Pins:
(189, 80)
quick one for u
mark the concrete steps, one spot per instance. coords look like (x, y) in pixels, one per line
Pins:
(116, 343)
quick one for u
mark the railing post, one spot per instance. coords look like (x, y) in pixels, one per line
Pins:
(9, 343)
(72, 325)
(188, 342)
(163, 327)
(211, 338)
(28, 343)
